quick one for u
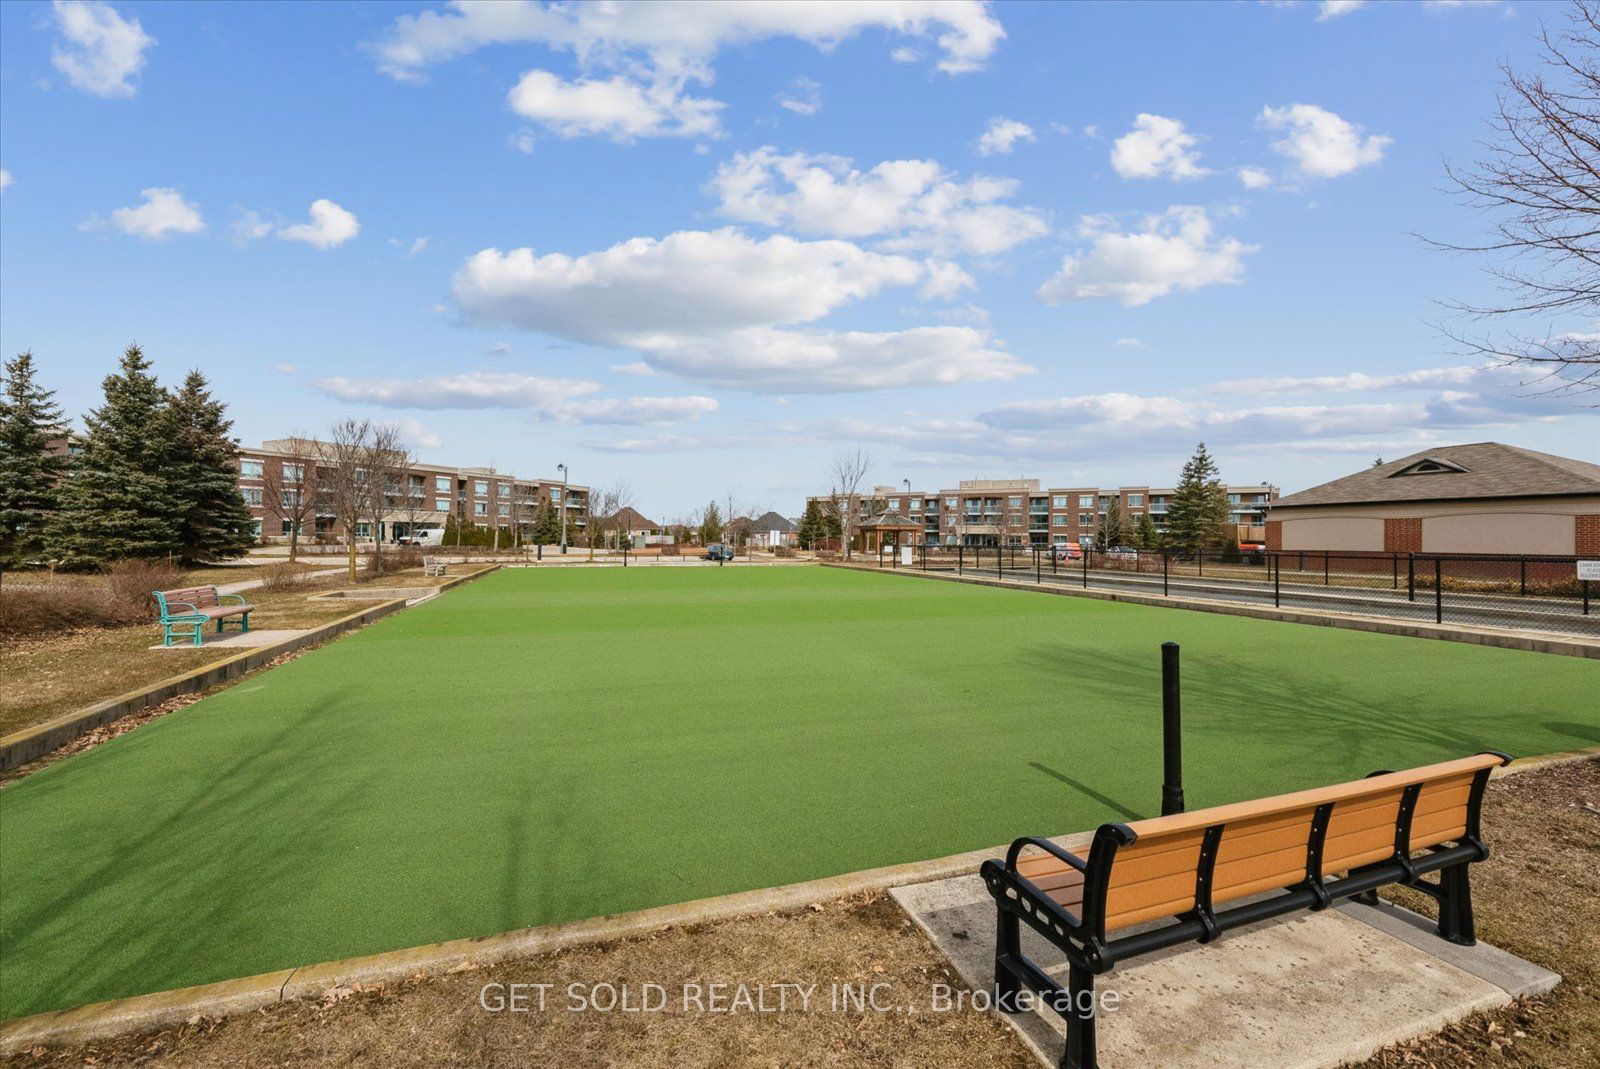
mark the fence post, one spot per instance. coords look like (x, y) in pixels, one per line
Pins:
(959, 549)
(1038, 566)
(1085, 551)
(1200, 563)
(1052, 559)
(1163, 572)
(1394, 566)
(1524, 563)
(1411, 577)
(1325, 556)
(1171, 735)
(1438, 590)
(538, 551)
(999, 561)
(1277, 581)
(1586, 597)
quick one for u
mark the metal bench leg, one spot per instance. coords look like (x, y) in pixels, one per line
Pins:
(247, 622)
(1007, 944)
(1080, 1052)
(1455, 906)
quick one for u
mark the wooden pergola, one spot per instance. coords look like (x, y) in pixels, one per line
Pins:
(884, 530)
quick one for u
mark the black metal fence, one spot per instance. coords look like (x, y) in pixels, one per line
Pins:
(1529, 593)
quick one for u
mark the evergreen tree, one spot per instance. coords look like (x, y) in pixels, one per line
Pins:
(30, 470)
(213, 521)
(1145, 535)
(118, 500)
(546, 525)
(1199, 509)
(811, 525)
(711, 525)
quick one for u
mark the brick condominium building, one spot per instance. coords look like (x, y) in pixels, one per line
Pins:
(1020, 512)
(421, 498)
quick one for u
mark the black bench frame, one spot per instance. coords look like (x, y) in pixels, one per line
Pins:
(1089, 952)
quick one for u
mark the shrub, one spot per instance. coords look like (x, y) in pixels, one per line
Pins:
(30, 610)
(128, 584)
(285, 575)
(395, 559)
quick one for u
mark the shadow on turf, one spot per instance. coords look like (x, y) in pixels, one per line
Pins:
(176, 915)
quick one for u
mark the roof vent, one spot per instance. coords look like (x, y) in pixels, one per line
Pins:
(1428, 466)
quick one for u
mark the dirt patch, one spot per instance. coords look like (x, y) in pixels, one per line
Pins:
(1538, 896)
(439, 1021)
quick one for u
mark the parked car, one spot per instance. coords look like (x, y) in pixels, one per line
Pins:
(423, 536)
(1122, 553)
(719, 551)
(1068, 551)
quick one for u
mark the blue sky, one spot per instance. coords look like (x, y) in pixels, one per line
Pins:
(703, 247)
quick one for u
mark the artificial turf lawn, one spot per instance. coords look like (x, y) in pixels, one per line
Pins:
(540, 746)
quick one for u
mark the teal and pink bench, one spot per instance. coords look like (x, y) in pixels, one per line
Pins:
(185, 613)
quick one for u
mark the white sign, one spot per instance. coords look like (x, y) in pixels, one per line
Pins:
(905, 554)
(1589, 569)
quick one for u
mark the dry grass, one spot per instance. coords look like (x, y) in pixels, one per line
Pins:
(438, 1021)
(1539, 896)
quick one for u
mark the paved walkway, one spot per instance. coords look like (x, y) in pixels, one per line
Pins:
(1309, 991)
(242, 640)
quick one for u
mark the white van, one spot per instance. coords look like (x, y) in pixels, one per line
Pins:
(423, 536)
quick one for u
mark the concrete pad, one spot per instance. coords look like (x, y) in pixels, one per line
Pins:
(233, 640)
(1311, 990)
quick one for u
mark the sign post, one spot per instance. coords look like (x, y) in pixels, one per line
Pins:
(1171, 736)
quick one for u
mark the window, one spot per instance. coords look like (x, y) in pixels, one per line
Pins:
(1233, 499)
(1085, 519)
(505, 509)
(1086, 501)
(1059, 540)
(251, 495)
(1059, 520)
(249, 469)
(916, 502)
(1135, 500)
(288, 527)
(441, 484)
(894, 504)
(555, 494)
(255, 528)
(480, 508)
(1060, 501)
(1015, 502)
(291, 499)
(441, 504)
(480, 488)
(951, 502)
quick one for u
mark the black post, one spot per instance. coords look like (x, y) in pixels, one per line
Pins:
(1524, 569)
(1277, 581)
(538, 551)
(999, 561)
(1394, 567)
(1038, 566)
(1438, 590)
(959, 549)
(1163, 573)
(1171, 736)
(1586, 597)
(1325, 567)
(1084, 552)
(1411, 577)
(1200, 562)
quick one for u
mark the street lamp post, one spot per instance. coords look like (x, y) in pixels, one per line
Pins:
(562, 468)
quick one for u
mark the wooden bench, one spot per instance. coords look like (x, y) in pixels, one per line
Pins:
(1156, 883)
(186, 612)
(433, 565)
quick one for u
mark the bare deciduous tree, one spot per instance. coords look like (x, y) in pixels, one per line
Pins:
(386, 460)
(288, 489)
(605, 512)
(1539, 179)
(346, 487)
(846, 474)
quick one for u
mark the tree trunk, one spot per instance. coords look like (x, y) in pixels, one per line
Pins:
(351, 544)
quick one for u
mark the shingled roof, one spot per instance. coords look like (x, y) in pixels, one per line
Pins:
(1451, 472)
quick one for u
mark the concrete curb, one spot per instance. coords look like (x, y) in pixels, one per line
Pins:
(31, 743)
(1533, 642)
(162, 1009)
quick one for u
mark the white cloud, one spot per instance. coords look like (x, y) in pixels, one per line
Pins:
(419, 436)
(1128, 343)
(615, 107)
(5, 178)
(102, 52)
(1254, 177)
(1157, 147)
(1176, 250)
(248, 225)
(1427, 378)
(911, 203)
(803, 97)
(285, 369)
(522, 141)
(552, 399)
(1002, 136)
(707, 305)
(330, 226)
(416, 246)
(1332, 9)
(905, 54)
(163, 212)
(672, 36)
(499, 348)
(1321, 144)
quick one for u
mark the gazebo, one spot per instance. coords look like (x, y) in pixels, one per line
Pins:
(885, 530)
